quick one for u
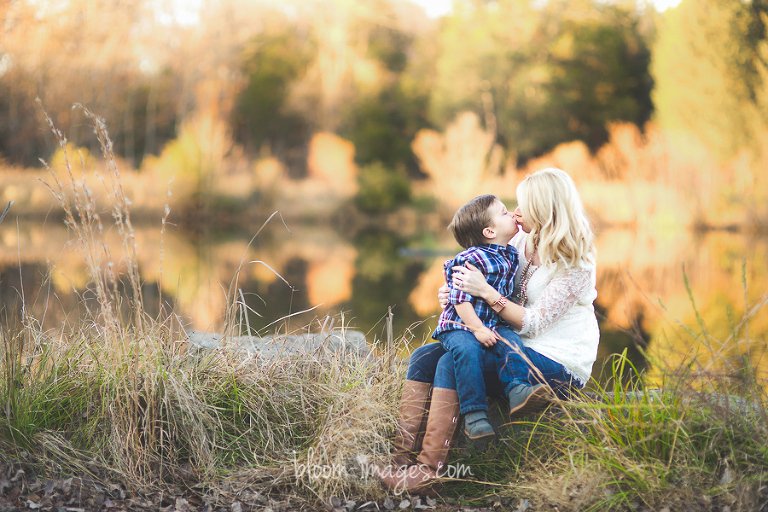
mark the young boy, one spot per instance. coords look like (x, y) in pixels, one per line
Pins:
(466, 327)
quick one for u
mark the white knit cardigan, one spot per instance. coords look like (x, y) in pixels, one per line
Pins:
(559, 320)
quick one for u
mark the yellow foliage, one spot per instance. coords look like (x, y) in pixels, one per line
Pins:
(423, 298)
(195, 156)
(331, 161)
(461, 162)
(79, 158)
(659, 180)
(330, 281)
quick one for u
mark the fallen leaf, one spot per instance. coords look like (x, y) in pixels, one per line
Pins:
(389, 504)
(727, 477)
(14, 493)
(404, 504)
(523, 506)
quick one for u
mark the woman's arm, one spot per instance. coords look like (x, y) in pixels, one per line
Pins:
(558, 297)
(471, 280)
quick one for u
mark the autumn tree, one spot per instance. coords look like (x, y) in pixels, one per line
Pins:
(78, 52)
(544, 73)
(263, 119)
(709, 66)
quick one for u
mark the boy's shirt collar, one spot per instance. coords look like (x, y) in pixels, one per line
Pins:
(494, 248)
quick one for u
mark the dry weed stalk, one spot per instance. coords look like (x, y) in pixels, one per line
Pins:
(148, 410)
(78, 202)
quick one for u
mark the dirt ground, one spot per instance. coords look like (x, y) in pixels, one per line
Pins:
(21, 489)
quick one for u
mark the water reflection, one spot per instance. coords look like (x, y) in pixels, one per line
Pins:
(642, 296)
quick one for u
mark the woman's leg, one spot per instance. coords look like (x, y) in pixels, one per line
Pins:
(526, 376)
(414, 403)
(439, 438)
(423, 362)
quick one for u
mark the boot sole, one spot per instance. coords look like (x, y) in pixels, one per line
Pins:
(484, 436)
(538, 399)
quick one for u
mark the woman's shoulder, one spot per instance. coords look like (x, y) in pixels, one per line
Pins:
(581, 275)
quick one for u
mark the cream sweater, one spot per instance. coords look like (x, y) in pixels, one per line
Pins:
(559, 320)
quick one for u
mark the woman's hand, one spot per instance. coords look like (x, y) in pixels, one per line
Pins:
(471, 280)
(444, 293)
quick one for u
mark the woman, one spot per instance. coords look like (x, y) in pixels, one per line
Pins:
(551, 309)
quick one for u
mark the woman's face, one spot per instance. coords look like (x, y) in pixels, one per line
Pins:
(525, 224)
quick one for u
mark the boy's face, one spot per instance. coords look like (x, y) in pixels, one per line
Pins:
(502, 224)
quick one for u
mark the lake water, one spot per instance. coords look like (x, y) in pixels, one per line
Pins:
(650, 285)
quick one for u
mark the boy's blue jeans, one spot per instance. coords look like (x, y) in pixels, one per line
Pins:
(475, 372)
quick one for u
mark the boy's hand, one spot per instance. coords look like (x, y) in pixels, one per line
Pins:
(485, 336)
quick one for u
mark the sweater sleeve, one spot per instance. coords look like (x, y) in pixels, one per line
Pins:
(558, 297)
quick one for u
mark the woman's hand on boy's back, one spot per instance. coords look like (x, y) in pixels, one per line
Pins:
(444, 292)
(471, 280)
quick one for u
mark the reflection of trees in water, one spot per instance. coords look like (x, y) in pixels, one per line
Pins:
(275, 299)
(364, 276)
(614, 340)
(52, 305)
(17, 281)
(383, 279)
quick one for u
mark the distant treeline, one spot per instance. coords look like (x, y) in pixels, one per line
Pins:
(377, 71)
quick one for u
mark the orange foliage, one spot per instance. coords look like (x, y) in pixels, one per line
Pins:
(331, 161)
(459, 162)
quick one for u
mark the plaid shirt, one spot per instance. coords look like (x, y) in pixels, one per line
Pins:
(498, 263)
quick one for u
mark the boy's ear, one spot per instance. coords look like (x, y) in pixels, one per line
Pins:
(489, 232)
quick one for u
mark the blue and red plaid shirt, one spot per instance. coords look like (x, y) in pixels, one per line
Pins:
(498, 263)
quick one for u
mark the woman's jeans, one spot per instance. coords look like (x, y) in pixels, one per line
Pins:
(500, 370)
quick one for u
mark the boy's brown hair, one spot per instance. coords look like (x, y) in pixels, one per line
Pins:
(470, 220)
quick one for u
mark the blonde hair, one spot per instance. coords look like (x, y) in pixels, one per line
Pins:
(560, 228)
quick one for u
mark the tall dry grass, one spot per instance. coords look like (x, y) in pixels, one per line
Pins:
(119, 396)
(687, 435)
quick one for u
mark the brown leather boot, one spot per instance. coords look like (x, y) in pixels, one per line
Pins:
(414, 407)
(442, 431)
